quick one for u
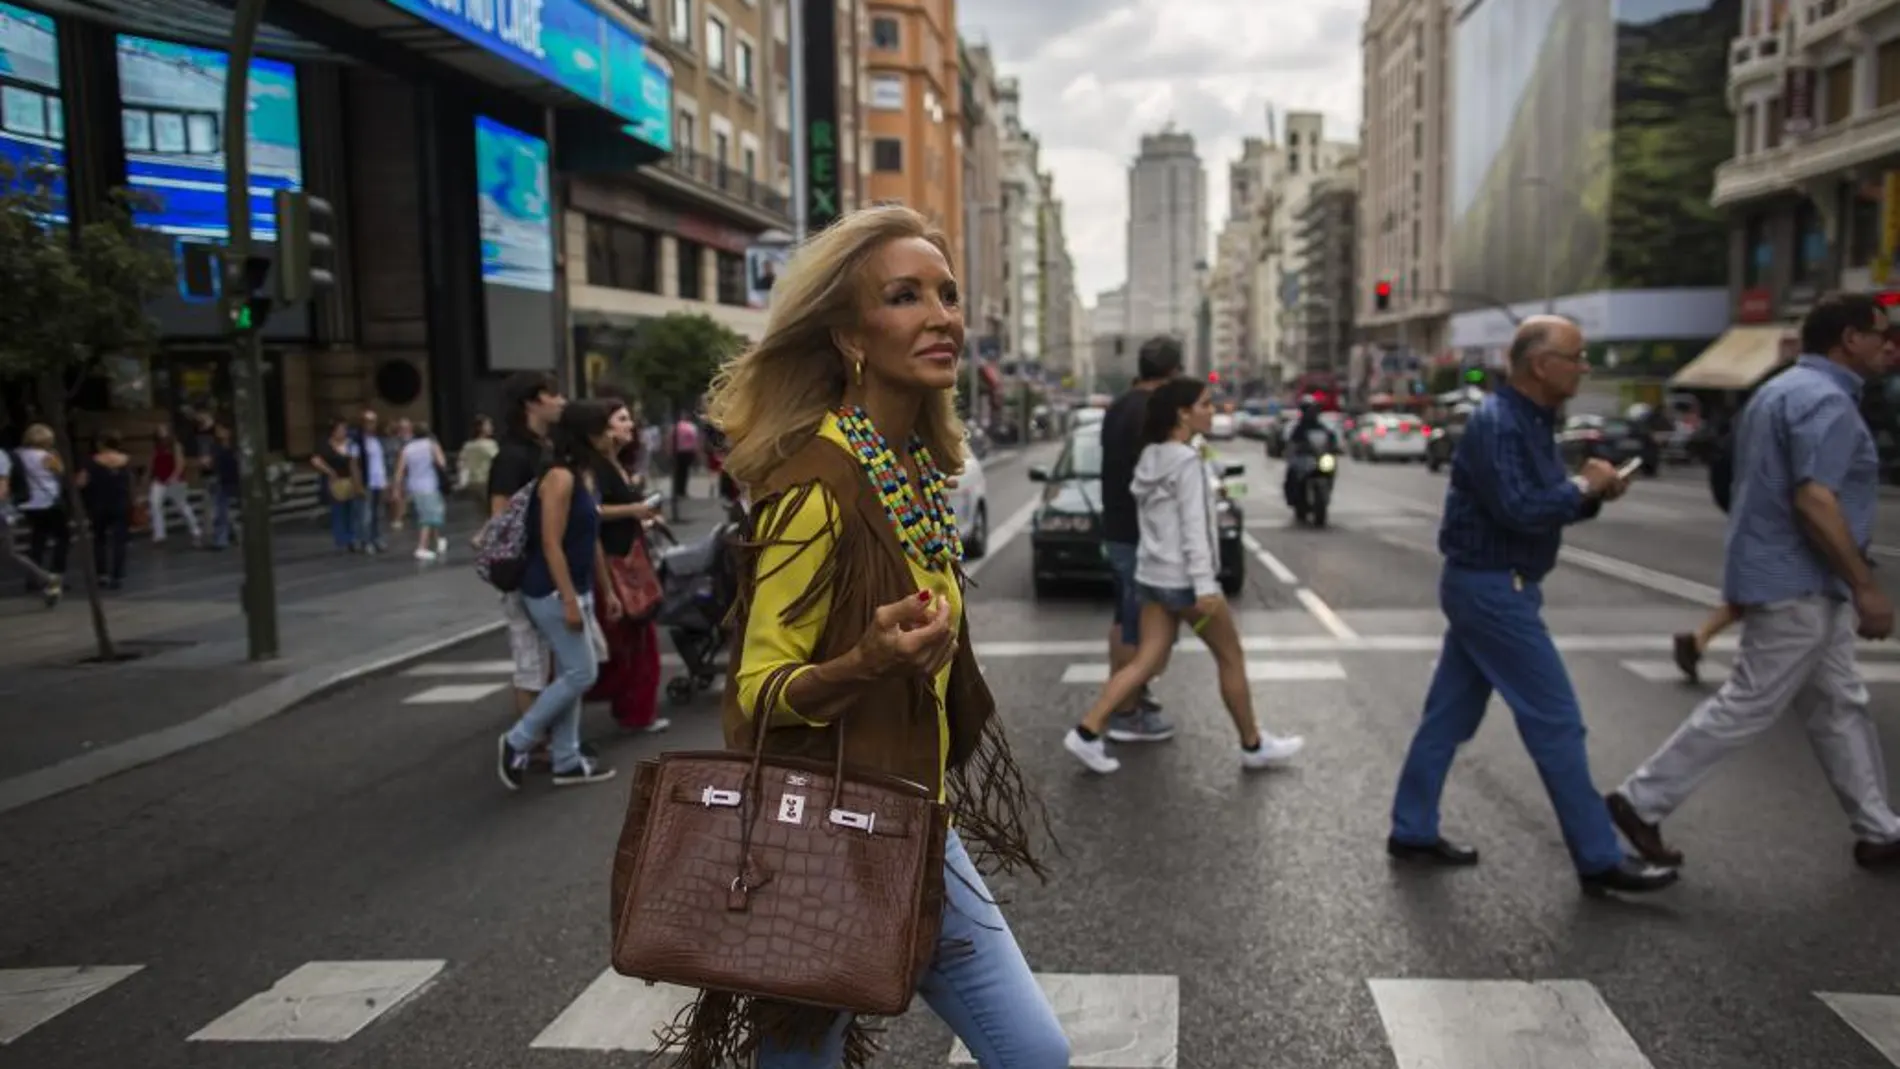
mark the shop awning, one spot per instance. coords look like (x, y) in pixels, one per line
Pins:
(1737, 360)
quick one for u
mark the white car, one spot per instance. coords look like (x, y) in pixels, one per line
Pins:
(1395, 437)
(1223, 428)
(970, 501)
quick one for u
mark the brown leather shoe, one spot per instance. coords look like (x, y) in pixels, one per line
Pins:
(1870, 855)
(1646, 838)
(1688, 657)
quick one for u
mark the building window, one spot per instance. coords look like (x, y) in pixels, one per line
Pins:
(731, 277)
(622, 257)
(742, 65)
(715, 43)
(782, 22)
(680, 26)
(887, 92)
(1887, 74)
(683, 125)
(692, 260)
(1837, 89)
(887, 154)
(639, 9)
(885, 34)
(1750, 115)
(749, 161)
(722, 146)
(1771, 132)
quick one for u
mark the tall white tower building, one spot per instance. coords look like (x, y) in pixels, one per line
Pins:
(1167, 238)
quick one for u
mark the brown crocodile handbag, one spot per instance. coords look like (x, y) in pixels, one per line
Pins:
(779, 877)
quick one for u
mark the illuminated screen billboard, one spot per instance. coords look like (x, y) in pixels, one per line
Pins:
(517, 231)
(171, 100)
(32, 120)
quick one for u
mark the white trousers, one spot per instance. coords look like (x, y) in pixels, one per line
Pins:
(177, 495)
(1797, 653)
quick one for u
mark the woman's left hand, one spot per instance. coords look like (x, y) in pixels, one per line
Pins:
(614, 609)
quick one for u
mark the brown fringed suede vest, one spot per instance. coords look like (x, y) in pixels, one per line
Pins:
(889, 726)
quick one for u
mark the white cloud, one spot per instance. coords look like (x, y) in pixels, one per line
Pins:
(1097, 74)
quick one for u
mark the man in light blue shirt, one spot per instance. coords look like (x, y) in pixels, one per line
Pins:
(1800, 522)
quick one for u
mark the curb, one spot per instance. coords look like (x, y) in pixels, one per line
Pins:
(227, 719)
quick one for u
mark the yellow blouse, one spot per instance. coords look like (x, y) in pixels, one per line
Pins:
(789, 571)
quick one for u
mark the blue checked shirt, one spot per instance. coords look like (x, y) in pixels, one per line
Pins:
(1509, 497)
(1803, 425)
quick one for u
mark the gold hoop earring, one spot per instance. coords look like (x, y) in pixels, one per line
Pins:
(857, 372)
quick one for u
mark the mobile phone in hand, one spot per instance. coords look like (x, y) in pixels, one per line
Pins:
(1630, 469)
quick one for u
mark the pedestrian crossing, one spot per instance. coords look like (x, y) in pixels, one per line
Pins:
(1113, 1021)
(1296, 670)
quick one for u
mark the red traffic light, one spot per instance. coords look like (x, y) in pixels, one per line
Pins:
(1213, 376)
(1383, 289)
(1887, 299)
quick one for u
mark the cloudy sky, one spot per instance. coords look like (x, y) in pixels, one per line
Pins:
(1096, 74)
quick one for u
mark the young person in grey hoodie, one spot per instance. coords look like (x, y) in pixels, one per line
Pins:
(1175, 575)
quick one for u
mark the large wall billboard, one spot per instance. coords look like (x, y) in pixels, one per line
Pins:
(32, 119)
(1532, 101)
(517, 221)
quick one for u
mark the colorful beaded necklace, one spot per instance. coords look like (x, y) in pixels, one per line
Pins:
(924, 523)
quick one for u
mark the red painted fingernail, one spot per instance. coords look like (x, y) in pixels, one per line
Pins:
(923, 596)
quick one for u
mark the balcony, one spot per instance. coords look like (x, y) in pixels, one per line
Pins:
(1818, 21)
(1864, 139)
(721, 186)
(1753, 59)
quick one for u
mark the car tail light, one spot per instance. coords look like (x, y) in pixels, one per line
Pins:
(1379, 430)
(1424, 428)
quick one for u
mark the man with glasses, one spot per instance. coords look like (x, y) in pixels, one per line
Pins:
(1801, 519)
(1507, 503)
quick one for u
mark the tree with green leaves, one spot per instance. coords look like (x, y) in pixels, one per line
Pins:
(672, 358)
(73, 298)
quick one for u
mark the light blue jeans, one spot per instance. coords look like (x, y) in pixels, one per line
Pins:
(556, 712)
(985, 993)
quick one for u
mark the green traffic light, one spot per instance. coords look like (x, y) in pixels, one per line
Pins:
(244, 317)
(1475, 375)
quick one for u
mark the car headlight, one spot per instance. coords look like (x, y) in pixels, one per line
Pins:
(1327, 462)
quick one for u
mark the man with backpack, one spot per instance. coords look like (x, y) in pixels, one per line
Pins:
(533, 402)
(13, 494)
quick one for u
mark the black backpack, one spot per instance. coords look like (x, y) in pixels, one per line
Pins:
(17, 490)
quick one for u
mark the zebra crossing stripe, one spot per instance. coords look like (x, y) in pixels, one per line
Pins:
(1292, 671)
(455, 693)
(1875, 1017)
(616, 1013)
(463, 668)
(1502, 1024)
(321, 1002)
(1112, 1021)
(1717, 671)
(31, 997)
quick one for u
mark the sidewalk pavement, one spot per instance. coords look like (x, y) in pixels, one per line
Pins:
(340, 617)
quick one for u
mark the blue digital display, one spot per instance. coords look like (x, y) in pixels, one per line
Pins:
(171, 100)
(574, 46)
(517, 218)
(32, 121)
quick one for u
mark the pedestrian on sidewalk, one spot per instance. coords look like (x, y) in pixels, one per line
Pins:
(418, 483)
(342, 483)
(473, 462)
(684, 446)
(564, 576)
(1176, 577)
(1807, 485)
(851, 578)
(49, 528)
(37, 578)
(1506, 505)
(226, 479)
(534, 404)
(371, 454)
(1159, 360)
(630, 676)
(169, 484)
(105, 487)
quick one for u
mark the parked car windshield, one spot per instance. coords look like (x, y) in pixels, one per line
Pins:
(1083, 457)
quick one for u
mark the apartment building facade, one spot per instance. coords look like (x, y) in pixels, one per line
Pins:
(913, 120)
(982, 162)
(1289, 171)
(1167, 236)
(1327, 235)
(1021, 230)
(1404, 138)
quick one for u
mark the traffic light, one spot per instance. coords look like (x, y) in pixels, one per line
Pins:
(248, 299)
(1213, 377)
(1382, 295)
(1475, 376)
(304, 248)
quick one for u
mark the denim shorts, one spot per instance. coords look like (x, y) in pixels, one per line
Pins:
(428, 508)
(1121, 567)
(1171, 598)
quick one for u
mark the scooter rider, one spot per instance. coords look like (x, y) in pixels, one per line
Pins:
(1301, 441)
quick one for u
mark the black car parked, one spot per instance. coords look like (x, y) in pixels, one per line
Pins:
(1616, 440)
(1065, 539)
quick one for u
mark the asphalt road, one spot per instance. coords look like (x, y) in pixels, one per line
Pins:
(359, 854)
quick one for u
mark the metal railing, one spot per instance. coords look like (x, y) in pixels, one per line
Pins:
(706, 171)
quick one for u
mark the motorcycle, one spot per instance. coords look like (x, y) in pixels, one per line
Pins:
(1313, 472)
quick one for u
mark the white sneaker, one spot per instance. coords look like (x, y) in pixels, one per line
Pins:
(425, 554)
(1093, 754)
(1273, 751)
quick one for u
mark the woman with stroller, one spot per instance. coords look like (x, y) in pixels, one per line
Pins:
(1176, 577)
(630, 676)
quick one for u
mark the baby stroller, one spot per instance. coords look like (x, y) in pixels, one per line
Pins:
(697, 586)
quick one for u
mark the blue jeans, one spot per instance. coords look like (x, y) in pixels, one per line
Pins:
(1497, 640)
(1121, 568)
(986, 994)
(369, 517)
(221, 527)
(556, 712)
(343, 523)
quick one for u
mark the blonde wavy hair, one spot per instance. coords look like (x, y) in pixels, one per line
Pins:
(769, 400)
